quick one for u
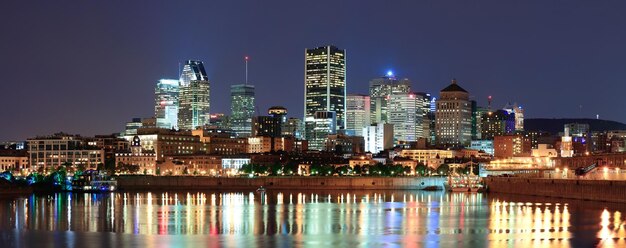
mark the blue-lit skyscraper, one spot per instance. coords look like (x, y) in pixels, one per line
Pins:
(194, 95)
(166, 103)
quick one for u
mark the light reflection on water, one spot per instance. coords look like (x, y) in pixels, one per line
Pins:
(338, 218)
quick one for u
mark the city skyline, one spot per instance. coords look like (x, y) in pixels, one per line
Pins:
(127, 70)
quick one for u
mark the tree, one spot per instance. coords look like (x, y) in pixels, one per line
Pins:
(407, 170)
(158, 171)
(291, 168)
(274, 169)
(421, 169)
(133, 168)
(443, 169)
(357, 170)
(186, 171)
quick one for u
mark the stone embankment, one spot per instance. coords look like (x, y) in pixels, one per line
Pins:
(590, 190)
(283, 183)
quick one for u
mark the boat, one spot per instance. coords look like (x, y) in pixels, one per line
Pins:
(464, 183)
(94, 183)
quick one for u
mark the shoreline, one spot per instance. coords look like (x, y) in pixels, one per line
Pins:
(586, 190)
(126, 183)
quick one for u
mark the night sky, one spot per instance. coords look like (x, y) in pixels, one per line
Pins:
(87, 67)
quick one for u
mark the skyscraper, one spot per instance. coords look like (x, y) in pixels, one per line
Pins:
(498, 123)
(325, 83)
(357, 113)
(242, 109)
(380, 93)
(166, 103)
(405, 116)
(453, 116)
(194, 95)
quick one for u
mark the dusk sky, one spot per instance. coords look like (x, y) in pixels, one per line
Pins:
(88, 67)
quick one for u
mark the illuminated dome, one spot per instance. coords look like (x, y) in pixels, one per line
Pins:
(277, 110)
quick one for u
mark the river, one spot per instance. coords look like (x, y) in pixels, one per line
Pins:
(307, 219)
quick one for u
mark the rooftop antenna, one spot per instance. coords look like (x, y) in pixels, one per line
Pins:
(489, 103)
(246, 58)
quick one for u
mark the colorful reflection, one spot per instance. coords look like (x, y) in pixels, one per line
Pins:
(404, 218)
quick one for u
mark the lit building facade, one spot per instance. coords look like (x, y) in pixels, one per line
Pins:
(378, 137)
(293, 127)
(357, 113)
(380, 90)
(15, 161)
(194, 95)
(49, 152)
(483, 145)
(166, 103)
(242, 105)
(498, 123)
(453, 116)
(405, 114)
(318, 127)
(136, 156)
(507, 146)
(518, 111)
(325, 84)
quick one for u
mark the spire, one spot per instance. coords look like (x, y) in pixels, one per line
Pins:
(454, 81)
(246, 58)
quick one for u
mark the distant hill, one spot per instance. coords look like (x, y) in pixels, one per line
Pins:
(555, 126)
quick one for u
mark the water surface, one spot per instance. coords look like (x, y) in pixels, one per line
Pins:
(309, 219)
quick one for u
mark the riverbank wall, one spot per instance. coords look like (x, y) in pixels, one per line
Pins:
(283, 183)
(588, 190)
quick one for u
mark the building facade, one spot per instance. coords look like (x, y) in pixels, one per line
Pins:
(242, 106)
(318, 128)
(49, 152)
(357, 113)
(194, 96)
(453, 116)
(325, 83)
(166, 103)
(380, 90)
(378, 137)
(405, 114)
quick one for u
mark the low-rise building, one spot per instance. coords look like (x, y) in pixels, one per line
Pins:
(49, 152)
(196, 164)
(14, 161)
(145, 160)
(507, 146)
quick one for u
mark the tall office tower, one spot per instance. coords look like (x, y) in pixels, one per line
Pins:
(405, 116)
(325, 83)
(423, 105)
(477, 120)
(194, 95)
(318, 127)
(357, 114)
(453, 116)
(519, 115)
(166, 103)
(380, 92)
(378, 137)
(242, 109)
(497, 123)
